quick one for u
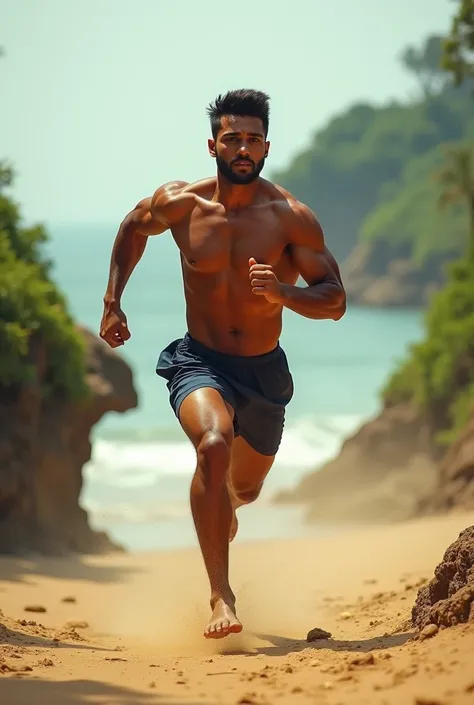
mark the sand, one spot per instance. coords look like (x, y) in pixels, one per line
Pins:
(139, 619)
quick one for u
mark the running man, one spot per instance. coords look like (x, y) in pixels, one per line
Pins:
(243, 243)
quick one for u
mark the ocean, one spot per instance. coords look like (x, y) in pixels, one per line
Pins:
(136, 484)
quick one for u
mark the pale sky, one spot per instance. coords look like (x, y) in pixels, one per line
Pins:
(104, 100)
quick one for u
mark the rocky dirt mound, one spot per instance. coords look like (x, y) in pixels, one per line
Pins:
(381, 473)
(449, 598)
(454, 488)
(44, 443)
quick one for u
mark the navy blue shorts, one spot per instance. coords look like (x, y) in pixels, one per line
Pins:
(257, 387)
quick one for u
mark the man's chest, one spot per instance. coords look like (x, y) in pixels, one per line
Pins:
(211, 242)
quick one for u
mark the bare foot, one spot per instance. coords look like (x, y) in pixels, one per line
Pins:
(223, 621)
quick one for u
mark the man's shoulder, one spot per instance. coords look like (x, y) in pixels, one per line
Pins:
(287, 205)
(180, 189)
(174, 199)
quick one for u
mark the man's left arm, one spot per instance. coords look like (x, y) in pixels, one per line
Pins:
(324, 296)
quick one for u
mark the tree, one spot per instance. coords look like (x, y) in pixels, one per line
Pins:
(458, 56)
(33, 312)
(425, 64)
(457, 180)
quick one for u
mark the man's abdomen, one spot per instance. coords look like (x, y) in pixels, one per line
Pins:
(245, 329)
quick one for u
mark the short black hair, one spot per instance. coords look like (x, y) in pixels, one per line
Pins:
(240, 102)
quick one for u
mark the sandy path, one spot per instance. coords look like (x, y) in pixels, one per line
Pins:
(146, 613)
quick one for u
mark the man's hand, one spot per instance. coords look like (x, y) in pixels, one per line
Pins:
(264, 281)
(113, 327)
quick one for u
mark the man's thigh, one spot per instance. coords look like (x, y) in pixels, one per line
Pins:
(248, 468)
(205, 410)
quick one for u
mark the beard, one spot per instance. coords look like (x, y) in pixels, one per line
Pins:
(239, 179)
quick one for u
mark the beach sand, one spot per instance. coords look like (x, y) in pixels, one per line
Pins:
(139, 621)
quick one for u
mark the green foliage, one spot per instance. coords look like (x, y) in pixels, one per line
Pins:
(369, 155)
(459, 46)
(438, 374)
(425, 63)
(409, 215)
(32, 309)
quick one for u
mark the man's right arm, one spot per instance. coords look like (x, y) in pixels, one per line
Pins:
(151, 216)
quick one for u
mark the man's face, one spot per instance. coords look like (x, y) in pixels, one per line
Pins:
(240, 148)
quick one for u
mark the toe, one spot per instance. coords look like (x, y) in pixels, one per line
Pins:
(235, 626)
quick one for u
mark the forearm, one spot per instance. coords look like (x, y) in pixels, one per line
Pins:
(325, 300)
(127, 251)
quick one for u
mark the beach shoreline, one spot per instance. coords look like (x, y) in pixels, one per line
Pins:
(146, 612)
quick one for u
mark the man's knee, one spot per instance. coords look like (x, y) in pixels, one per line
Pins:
(213, 453)
(247, 495)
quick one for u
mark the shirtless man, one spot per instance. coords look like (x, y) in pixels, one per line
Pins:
(243, 243)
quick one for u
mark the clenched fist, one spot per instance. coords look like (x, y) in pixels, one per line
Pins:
(264, 281)
(113, 327)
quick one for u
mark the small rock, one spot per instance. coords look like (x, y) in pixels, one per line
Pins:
(8, 668)
(77, 624)
(362, 659)
(327, 685)
(249, 699)
(297, 689)
(46, 662)
(316, 634)
(346, 615)
(424, 700)
(152, 684)
(70, 599)
(429, 631)
(35, 608)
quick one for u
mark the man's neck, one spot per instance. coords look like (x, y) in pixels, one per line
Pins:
(235, 196)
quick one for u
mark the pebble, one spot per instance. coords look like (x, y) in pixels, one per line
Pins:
(316, 634)
(429, 631)
(35, 608)
(346, 615)
(327, 685)
(362, 659)
(77, 624)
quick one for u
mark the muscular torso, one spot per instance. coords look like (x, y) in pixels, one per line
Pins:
(215, 245)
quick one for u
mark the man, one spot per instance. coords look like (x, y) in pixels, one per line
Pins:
(243, 243)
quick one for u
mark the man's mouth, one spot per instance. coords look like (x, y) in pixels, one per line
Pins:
(243, 162)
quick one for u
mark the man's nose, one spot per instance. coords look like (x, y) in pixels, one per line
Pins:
(243, 149)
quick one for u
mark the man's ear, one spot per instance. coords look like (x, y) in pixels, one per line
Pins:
(211, 145)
